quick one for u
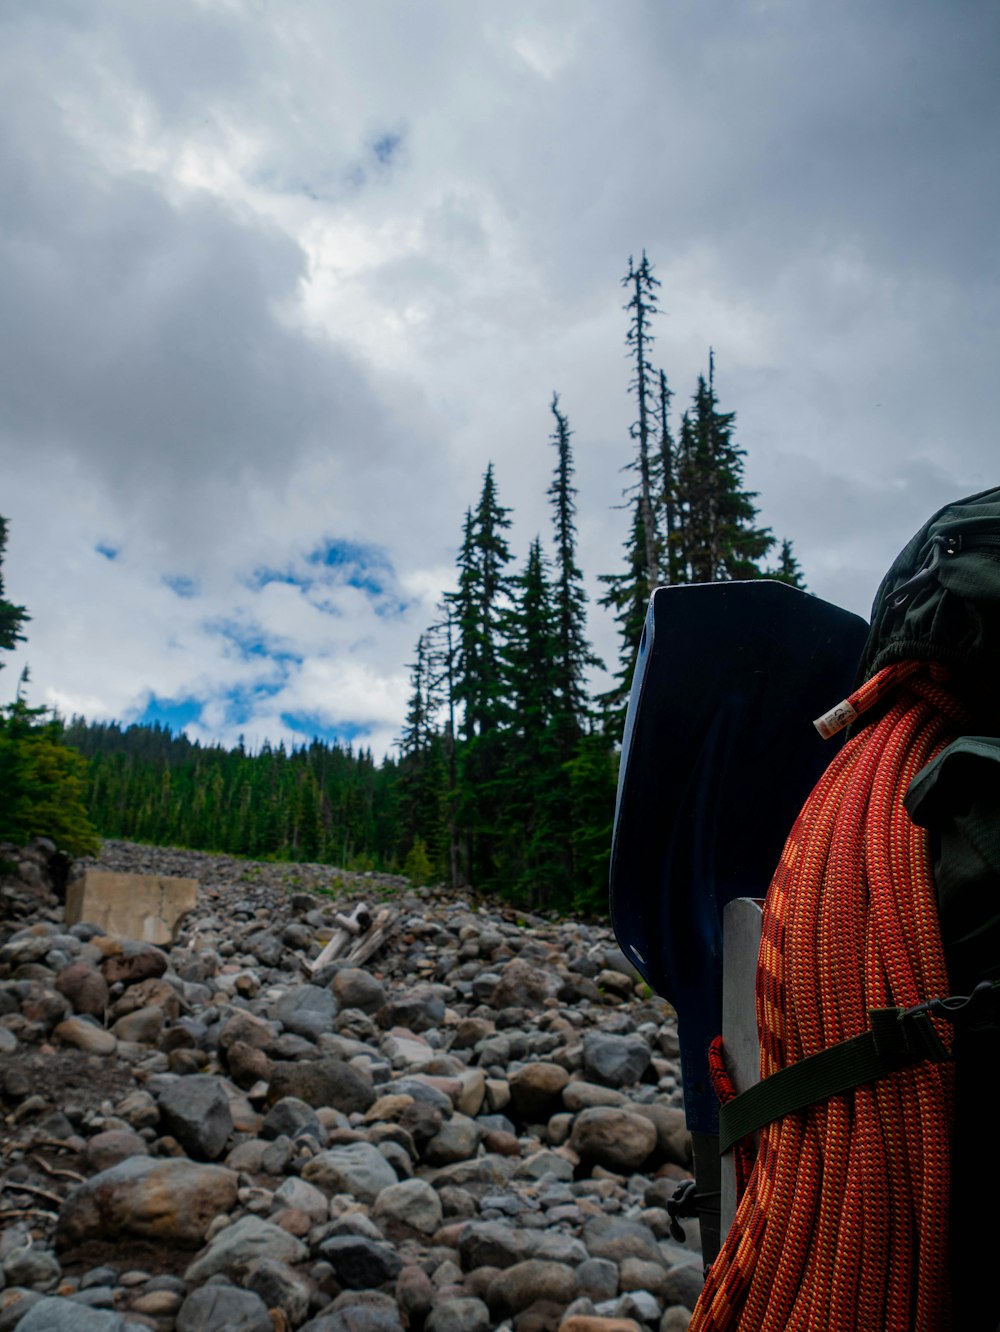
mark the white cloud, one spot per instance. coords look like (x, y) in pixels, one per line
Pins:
(280, 276)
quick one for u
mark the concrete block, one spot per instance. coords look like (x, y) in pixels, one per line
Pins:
(147, 907)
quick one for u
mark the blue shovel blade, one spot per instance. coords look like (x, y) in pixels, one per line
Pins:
(718, 756)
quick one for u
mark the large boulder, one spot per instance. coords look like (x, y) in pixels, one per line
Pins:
(613, 1137)
(171, 1201)
(357, 1168)
(195, 1109)
(323, 1082)
(234, 1251)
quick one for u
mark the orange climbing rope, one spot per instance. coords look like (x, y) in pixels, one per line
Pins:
(843, 1221)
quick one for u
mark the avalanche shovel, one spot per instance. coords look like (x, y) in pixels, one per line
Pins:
(718, 755)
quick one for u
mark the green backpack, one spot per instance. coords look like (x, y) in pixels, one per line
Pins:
(940, 601)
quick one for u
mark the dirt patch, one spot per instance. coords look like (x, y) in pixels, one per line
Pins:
(65, 1078)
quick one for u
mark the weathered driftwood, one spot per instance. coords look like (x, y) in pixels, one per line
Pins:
(348, 928)
(357, 937)
(378, 934)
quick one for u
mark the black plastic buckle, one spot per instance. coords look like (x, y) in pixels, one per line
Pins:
(682, 1204)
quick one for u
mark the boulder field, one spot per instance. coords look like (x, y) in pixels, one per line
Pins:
(478, 1129)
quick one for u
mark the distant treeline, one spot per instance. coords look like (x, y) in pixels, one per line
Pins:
(322, 802)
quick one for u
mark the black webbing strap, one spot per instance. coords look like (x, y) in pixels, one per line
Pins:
(897, 1037)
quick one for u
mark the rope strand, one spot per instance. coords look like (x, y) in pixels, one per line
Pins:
(842, 1223)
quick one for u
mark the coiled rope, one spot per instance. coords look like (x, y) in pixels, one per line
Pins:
(843, 1222)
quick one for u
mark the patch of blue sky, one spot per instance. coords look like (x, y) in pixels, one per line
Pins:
(385, 148)
(184, 587)
(262, 576)
(173, 713)
(252, 642)
(367, 568)
(310, 726)
(242, 705)
(107, 550)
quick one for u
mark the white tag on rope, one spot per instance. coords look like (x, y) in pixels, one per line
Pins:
(835, 720)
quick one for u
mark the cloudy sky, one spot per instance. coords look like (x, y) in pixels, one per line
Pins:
(279, 278)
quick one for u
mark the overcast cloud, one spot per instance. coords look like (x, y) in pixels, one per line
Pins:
(280, 278)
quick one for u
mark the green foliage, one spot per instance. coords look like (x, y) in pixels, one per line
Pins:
(417, 866)
(322, 803)
(42, 783)
(12, 617)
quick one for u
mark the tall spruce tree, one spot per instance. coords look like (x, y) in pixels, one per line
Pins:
(721, 539)
(628, 593)
(642, 307)
(671, 500)
(573, 655)
(530, 854)
(478, 686)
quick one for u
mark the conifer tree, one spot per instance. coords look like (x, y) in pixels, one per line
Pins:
(788, 570)
(572, 653)
(639, 341)
(478, 605)
(629, 592)
(530, 854)
(12, 617)
(478, 687)
(720, 536)
(671, 499)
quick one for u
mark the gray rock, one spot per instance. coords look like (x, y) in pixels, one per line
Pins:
(617, 1238)
(411, 1204)
(116, 1144)
(355, 988)
(617, 1061)
(492, 1244)
(234, 1250)
(523, 985)
(461, 1315)
(32, 1266)
(295, 1192)
(307, 1011)
(521, 1285)
(536, 1091)
(456, 1140)
(223, 1307)
(357, 1168)
(418, 1010)
(612, 1136)
(281, 1287)
(414, 1294)
(357, 1317)
(196, 1111)
(598, 1279)
(677, 1319)
(52, 1314)
(292, 1118)
(582, 1095)
(672, 1136)
(683, 1285)
(324, 1082)
(85, 987)
(360, 1263)
(265, 947)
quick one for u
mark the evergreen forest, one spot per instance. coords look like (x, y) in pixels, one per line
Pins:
(505, 772)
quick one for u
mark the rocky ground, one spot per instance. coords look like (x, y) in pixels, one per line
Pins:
(479, 1129)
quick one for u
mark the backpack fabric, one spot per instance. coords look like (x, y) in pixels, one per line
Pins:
(940, 601)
